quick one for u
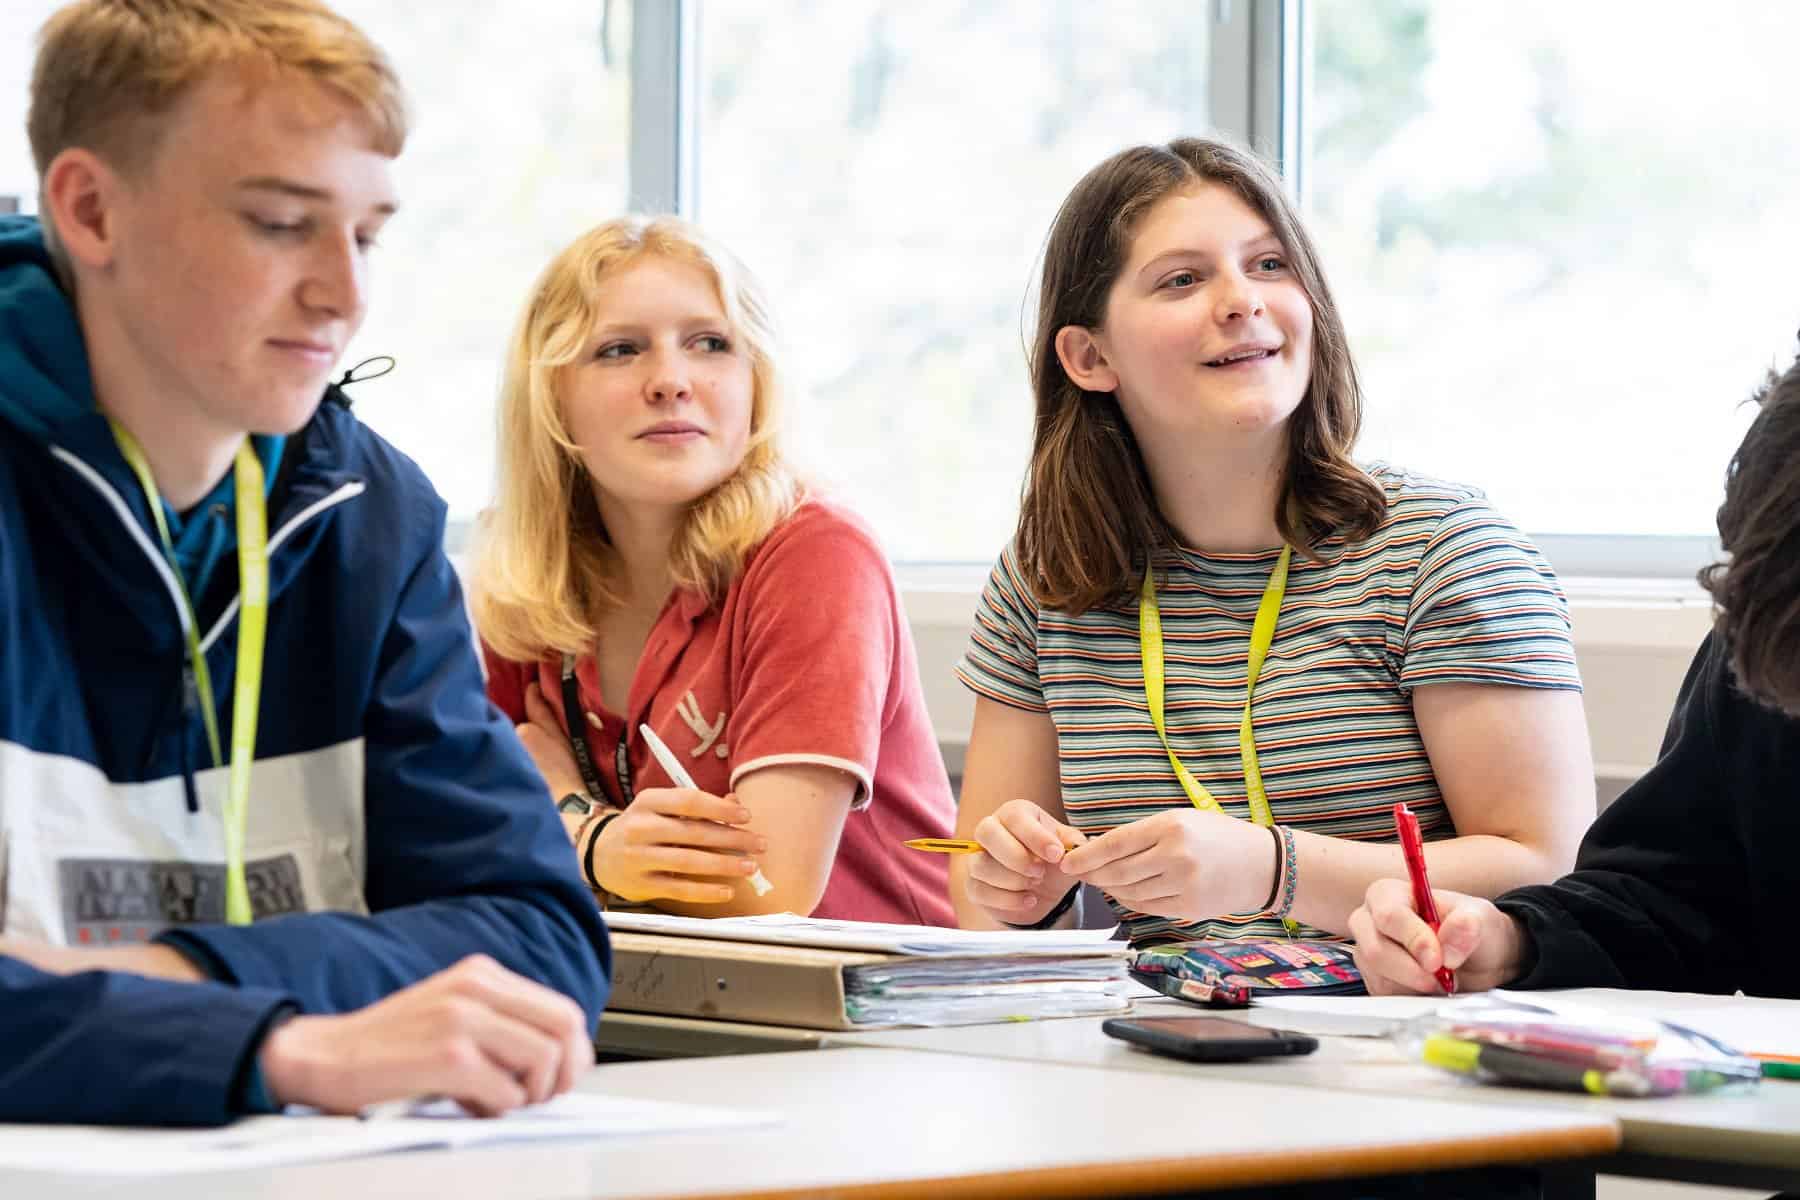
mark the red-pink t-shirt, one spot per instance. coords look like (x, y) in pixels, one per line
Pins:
(808, 659)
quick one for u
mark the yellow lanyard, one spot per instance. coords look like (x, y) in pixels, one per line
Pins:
(253, 613)
(1262, 634)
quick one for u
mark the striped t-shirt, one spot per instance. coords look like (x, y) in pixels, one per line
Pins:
(1444, 591)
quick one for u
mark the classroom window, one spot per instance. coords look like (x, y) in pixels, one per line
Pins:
(889, 170)
(520, 142)
(1562, 237)
(19, 24)
(1556, 231)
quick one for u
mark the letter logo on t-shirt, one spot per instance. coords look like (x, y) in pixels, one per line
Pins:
(689, 711)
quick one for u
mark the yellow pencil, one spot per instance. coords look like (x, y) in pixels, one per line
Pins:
(956, 845)
(945, 845)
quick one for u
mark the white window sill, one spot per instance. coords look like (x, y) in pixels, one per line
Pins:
(1609, 613)
(1633, 640)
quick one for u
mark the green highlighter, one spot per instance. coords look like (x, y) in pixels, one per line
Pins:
(1781, 1070)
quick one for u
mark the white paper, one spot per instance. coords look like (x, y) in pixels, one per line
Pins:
(785, 929)
(1749, 1027)
(1341, 1016)
(273, 1141)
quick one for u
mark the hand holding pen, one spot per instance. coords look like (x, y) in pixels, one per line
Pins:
(474, 1032)
(677, 843)
(1015, 880)
(1412, 848)
(1399, 952)
(679, 776)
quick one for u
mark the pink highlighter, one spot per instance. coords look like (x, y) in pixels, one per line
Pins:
(1412, 846)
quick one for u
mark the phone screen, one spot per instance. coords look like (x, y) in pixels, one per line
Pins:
(1208, 1029)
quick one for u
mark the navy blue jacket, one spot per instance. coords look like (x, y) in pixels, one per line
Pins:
(369, 662)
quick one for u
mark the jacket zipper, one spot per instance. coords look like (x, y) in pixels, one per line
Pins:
(190, 687)
(349, 491)
(190, 712)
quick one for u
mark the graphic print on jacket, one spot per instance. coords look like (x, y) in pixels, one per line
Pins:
(103, 849)
(97, 863)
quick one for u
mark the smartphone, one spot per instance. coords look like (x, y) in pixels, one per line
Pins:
(1208, 1039)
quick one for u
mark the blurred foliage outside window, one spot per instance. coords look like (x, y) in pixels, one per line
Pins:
(1563, 239)
(889, 170)
(521, 118)
(1560, 234)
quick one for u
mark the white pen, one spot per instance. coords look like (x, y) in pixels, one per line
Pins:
(759, 883)
(387, 1110)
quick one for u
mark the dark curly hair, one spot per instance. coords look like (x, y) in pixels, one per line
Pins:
(1756, 590)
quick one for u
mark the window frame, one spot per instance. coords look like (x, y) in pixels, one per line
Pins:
(1258, 87)
(1667, 563)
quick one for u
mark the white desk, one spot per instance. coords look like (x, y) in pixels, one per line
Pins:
(884, 1122)
(1751, 1140)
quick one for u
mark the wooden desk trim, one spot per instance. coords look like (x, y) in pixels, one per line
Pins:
(1220, 1171)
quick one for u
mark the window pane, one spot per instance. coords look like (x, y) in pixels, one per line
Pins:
(1563, 239)
(519, 143)
(20, 21)
(890, 170)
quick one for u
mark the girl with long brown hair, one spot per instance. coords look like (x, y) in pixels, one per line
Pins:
(1218, 650)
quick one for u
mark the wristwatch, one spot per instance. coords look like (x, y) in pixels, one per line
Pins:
(575, 803)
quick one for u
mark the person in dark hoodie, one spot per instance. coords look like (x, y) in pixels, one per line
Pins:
(1686, 881)
(262, 838)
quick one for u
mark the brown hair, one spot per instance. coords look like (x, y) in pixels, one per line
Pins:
(1088, 520)
(1756, 591)
(107, 70)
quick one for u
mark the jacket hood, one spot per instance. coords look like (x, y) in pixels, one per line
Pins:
(47, 394)
(44, 380)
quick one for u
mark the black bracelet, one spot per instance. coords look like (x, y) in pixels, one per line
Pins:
(1275, 884)
(587, 853)
(1050, 918)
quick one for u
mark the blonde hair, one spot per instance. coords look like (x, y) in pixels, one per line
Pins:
(544, 568)
(107, 71)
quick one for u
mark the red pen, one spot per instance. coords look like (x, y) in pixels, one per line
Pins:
(1413, 847)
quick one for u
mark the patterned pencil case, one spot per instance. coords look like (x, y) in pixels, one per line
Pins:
(1229, 974)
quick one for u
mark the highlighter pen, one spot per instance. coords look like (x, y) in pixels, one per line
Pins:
(759, 883)
(1518, 1067)
(1412, 848)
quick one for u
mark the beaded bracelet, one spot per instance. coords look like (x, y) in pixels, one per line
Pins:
(1290, 873)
